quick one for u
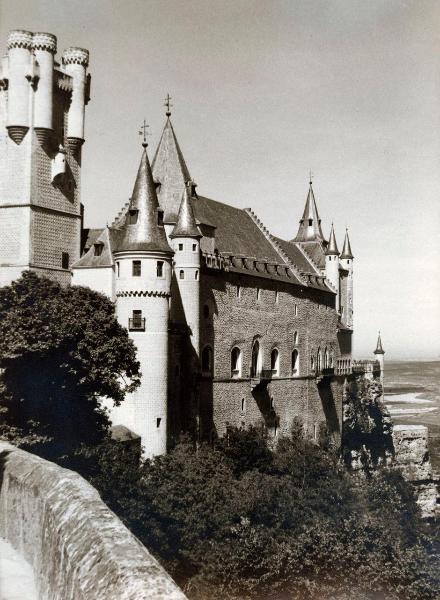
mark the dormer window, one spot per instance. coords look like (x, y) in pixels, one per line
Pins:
(98, 249)
(133, 216)
(160, 217)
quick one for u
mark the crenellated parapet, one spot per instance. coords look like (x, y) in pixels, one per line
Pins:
(20, 38)
(76, 56)
(46, 42)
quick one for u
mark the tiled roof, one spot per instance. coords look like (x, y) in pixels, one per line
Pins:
(296, 256)
(88, 237)
(105, 256)
(316, 252)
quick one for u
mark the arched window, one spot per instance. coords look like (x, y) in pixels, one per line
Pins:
(295, 338)
(275, 362)
(243, 405)
(295, 362)
(318, 360)
(312, 362)
(207, 360)
(255, 361)
(235, 362)
(331, 360)
(326, 362)
(181, 274)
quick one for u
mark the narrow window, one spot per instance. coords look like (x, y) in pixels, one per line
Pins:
(295, 338)
(132, 216)
(159, 268)
(64, 260)
(180, 247)
(312, 363)
(295, 362)
(310, 222)
(194, 247)
(181, 274)
(326, 360)
(255, 361)
(318, 360)
(238, 291)
(158, 421)
(277, 296)
(295, 310)
(258, 294)
(160, 217)
(118, 268)
(206, 311)
(136, 268)
(271, 403)
(207, 360)
(243, 405)
(196, 275)
(136, 323)
(275, 362)
(235, 362)
(98, 249)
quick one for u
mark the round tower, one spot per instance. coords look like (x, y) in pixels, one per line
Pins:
(19, 66)
(75, 61)
(186, 244)
(346, 262)
(332, 264)
(44, 46)
(143, 261)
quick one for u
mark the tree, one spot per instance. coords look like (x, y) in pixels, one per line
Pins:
(61, 351)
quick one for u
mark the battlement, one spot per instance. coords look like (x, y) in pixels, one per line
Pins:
(76, 56)
(44, 41)
(20, 38)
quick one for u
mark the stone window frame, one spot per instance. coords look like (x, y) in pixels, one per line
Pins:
(236, 363)
(275, 361)
(255, 369)
(294, 363)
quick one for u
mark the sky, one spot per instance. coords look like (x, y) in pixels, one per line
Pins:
(263, 92)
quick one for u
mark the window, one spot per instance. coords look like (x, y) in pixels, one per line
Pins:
(326, 359)
(159, 268)
(136, 323)
(275, 362)
(132, 216)
(206, 311)
(318, 360)
(238, 291)
(310, 222)
(118, 268)
(235, 362)
(243, 405)
(295, 362)
(277, 296)
(271, 403)
(158, 421)
(255, 360)
(136, 268)
(64, 260)
(207, 360)
(312, 363)
(196, 275)
(258, 294)
(180, 247)
(98, 249)
(182, 274)
(295, 338)
(160, 217)
(194, 247)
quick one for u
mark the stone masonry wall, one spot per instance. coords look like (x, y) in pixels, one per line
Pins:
(78, 548)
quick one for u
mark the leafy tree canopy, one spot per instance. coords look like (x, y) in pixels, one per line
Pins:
(61, 349)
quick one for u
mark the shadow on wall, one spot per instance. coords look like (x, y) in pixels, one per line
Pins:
(329, 408)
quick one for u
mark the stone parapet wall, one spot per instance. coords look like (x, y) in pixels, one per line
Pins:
(77, 547)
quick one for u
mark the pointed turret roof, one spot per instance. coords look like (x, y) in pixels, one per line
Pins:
(170, 171)
(346, 250)
(310, 224)
(186, 225)
(332, 247)
(140, 230)
(379, 349)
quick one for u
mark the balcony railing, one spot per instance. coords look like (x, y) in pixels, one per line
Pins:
(136, 324)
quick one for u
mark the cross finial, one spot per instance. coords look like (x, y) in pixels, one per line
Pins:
(310, 176)
(168, 105)
(143, 131)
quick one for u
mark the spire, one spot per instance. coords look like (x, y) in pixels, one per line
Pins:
(310, 224)
(379, 349)
(142, 228)
(186, 225)
(170, 171)
(346, 250)
(332, 247)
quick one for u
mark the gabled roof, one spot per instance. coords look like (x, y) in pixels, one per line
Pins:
(95, 256)
(140, 230)
(170, 171)
(186, 222)
(310, 223)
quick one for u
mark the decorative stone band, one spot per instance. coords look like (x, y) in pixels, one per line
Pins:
(143, 293)
(19, 38)
(76, 56)
(44, 41)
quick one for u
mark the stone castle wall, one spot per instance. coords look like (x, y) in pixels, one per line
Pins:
(77, 547)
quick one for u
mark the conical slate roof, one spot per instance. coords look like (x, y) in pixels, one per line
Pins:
(141, 230)
(379, 349)
(310, 224)
(170, 170)
(332, 247)
(186, 223)
(346, 250)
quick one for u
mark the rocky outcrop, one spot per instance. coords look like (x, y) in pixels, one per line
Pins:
(411, 456)
(78, 548)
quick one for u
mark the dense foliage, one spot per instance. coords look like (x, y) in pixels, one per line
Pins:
(239, 521)
(61, 349)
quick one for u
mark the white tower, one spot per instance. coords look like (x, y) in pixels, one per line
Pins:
(186, 244)
(332, 265)
(346, 261)
(143, 281)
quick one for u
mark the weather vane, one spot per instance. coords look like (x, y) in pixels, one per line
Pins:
(143, 131)
(168, 105)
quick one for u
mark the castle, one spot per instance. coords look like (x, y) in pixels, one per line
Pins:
(233, 326)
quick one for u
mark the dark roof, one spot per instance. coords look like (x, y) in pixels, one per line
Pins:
(88, 237)
(105, 256)
(296, 256)
(316, 252)
(346, 250)
(186, 223)
(311, 232)
(332, 246)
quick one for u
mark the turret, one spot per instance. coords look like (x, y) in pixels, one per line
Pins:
(346, 262)
(143, 281)
(186, 243)
(310, 223)
(75, 61)
(44, 46)
(332, 264)
(379, 355)
(19, 76)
